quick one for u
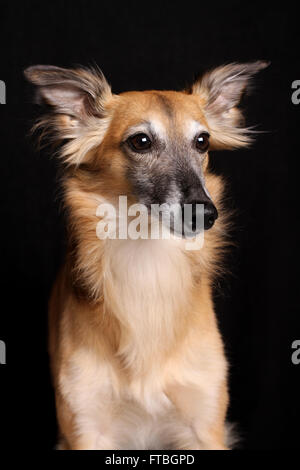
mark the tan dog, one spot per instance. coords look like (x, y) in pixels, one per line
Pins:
(136, 355)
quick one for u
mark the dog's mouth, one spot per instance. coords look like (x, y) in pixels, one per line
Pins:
(182, 222)
(186, 232)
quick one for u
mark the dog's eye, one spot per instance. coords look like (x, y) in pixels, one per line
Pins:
(139, 142)
(202, 142)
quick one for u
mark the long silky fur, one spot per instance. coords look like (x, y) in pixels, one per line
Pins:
(136, 355)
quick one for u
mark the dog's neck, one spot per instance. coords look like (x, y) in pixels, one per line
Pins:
(147, 286)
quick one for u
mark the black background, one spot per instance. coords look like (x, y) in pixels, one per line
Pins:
(140, 46)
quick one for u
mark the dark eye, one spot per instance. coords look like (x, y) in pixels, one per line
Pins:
(202, 142)
(139, 142)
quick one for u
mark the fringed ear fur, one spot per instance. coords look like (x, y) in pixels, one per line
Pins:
(221, 90)
(77, 100)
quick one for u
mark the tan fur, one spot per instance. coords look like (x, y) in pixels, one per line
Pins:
(136, 355)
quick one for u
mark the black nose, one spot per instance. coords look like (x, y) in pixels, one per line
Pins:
(205, 212)
(210, 215)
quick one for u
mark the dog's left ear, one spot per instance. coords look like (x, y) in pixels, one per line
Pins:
(220, 91)
(77, 103)
(74, 92)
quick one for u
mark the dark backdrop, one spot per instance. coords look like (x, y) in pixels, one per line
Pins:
(140, 46)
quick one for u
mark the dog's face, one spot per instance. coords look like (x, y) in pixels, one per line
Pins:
(162, 138)
(153, 144)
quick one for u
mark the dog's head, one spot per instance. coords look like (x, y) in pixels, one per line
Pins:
(151, 144)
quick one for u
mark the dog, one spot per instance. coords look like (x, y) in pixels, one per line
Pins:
(136, 355)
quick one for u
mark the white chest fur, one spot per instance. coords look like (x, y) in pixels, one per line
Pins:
(147, 285)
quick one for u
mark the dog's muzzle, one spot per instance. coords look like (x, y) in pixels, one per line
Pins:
(197, 216)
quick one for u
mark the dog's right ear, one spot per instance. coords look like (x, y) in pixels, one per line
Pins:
(77, 99)
(220, 91)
